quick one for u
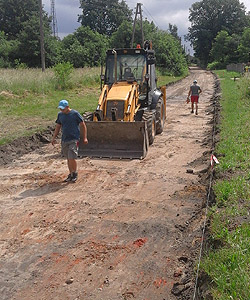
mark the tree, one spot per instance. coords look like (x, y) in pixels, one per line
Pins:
(28, 50)
(208, 17)
(104, 16)
(169, 53)
(6, 49)
(53, 48)
(20, 22)
(220, 50)
(233, 54)
(14, 13)
(123, 36)
(173, 29)
(149, 30)
(244, 47)
(84, 47)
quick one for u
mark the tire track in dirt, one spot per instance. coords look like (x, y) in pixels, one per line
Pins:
(126, 230)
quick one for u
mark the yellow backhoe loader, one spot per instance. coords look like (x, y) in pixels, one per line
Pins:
(131, 109)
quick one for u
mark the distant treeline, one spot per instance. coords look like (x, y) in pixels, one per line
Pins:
(104, 24)
(219, 33)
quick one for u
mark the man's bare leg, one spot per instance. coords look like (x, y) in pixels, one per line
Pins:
(72, 165)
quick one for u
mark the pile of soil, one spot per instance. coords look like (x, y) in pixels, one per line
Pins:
(24, 145)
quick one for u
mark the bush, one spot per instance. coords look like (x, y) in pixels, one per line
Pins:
(215, 65)
(62, 73)
(20, 65)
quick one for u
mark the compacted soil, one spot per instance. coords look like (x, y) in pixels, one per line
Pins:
(127, 229)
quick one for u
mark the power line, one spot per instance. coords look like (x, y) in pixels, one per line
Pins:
(151, 16)
(148, 13)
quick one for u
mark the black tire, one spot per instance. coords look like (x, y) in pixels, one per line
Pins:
(160, 116)
(149, 117)
(88, 116)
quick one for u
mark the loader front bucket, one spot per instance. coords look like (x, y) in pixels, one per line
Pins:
(113, 139)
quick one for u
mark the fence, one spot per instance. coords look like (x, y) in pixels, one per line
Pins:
(236, 67)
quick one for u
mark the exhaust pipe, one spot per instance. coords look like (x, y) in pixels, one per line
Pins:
(115, 53)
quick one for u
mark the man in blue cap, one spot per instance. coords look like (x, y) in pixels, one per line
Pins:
(70, 121)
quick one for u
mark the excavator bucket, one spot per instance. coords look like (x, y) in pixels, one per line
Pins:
(111, 139)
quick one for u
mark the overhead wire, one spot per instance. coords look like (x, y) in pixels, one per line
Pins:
(151, 16)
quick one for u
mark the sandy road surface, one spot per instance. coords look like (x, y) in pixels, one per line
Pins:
(125, 230)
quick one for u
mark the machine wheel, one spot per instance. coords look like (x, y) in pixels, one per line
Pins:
(149, 117)
(88, 116)
(160, 116)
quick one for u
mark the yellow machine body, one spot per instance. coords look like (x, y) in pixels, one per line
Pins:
(127, 107)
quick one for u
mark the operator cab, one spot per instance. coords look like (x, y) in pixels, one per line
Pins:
(131, 66)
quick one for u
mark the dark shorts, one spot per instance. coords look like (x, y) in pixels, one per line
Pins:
(70, 149)
(194, 99)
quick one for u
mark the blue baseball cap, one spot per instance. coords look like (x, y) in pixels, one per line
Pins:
(63, 104)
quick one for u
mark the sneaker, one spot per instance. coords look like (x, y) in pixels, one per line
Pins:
(74, 177)
(68, 179)
(192, 111)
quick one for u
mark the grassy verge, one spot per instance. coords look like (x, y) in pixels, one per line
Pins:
(164, 79)
(228, 262)
(29, 99)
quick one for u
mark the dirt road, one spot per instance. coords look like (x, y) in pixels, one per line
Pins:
(125, 230)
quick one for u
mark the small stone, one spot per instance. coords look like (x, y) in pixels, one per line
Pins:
(178, 288)
(190, 171)
(178, 273)
(69, 281)
(183, 259)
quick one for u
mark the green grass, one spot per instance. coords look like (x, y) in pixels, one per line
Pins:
(235, 127)
(228, 265)
(164, 79)
(21, 81)
(29, 99)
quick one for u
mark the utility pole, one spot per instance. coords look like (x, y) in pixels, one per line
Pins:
(54, 20)
(42, 35)
(138, 12)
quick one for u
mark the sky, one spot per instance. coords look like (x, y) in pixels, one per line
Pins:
(161, 12)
